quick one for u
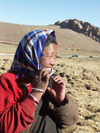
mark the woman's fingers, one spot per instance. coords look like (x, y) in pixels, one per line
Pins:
(58, 79)
(44, 73)
(41, 79)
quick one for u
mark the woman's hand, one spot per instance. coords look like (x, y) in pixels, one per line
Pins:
(58, 90)
(41, 79)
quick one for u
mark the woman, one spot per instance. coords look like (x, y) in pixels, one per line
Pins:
(31, 99)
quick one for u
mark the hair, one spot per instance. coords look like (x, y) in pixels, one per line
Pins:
(50, 39)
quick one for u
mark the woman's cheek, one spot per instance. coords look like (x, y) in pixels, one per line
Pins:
(44, 62)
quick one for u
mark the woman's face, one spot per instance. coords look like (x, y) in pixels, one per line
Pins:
(49, 58)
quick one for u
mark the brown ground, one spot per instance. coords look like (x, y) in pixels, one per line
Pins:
(81, 74)
(82, 77)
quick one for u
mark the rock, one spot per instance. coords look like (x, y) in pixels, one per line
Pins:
(81, 27)
(64, 24)
(62, 74)
(90, 34)
(58, 23)
(76, 26)
(90, 56)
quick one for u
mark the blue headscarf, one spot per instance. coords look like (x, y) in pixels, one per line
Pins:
(29, 51)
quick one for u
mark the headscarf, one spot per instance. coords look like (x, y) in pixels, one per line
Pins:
(29, 51)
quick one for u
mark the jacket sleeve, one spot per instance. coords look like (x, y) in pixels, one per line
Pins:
(65, 115)
(15, 115)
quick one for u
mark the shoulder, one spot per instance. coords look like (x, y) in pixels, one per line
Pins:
(8, 76)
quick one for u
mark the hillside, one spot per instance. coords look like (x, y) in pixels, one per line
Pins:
(66, 38)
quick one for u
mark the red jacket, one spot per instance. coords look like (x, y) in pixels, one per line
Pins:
(16, 112)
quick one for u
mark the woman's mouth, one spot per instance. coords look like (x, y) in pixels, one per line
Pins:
(48, 69)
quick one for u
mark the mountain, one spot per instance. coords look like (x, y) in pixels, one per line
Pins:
(66, 37)
(81, 27)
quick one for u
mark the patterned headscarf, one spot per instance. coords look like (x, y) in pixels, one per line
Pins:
(29, 51)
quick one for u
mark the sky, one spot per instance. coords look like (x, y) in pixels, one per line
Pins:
(45, 12)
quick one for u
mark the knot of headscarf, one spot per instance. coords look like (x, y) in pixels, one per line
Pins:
(29, 51)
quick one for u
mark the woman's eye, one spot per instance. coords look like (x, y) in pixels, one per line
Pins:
(50, 57)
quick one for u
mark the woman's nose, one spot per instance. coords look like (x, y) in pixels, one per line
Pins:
(53, 61)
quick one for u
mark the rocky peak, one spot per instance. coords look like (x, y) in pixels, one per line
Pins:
(81, 27)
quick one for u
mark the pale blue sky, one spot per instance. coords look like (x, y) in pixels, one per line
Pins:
(45, 12)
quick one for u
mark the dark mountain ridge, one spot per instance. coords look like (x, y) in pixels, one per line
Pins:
(81, 27)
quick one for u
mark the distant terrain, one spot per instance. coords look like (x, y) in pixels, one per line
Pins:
(81, 27)
(67, 38)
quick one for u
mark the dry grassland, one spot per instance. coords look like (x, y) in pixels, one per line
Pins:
(82, 77)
